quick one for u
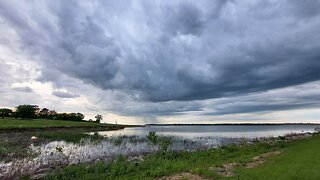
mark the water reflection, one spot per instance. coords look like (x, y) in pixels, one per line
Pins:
(219, 131)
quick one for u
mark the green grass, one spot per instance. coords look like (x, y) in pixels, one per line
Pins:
(16, 145)
(23, 124)
(68, 135)
(299, 160)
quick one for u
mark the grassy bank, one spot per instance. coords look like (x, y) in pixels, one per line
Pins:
(276, 159)
(16, 144)
(12, 124)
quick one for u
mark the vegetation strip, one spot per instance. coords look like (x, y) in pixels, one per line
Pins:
(19, 125)
(89, 128)
(281, 160)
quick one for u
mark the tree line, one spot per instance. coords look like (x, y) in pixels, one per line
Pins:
(27, 111)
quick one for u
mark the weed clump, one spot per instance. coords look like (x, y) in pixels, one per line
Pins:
(152, 138)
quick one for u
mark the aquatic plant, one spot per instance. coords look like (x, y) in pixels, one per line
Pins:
(61, 153)
(152, 137)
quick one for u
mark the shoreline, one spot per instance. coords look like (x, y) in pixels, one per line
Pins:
(92, 128)
(29, 125)
(236, 124)
(62, 128)
(137, 152)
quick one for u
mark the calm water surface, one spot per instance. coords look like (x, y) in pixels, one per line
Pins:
(218, 131)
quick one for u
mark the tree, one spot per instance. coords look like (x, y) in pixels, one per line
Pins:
(70, 116)
(26, 111)
(44, 113)
(52, 114)
(79, 116)
(4, 112)
(99, 118)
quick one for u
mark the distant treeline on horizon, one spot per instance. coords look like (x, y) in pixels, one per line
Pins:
(235, 124)
(33, 111)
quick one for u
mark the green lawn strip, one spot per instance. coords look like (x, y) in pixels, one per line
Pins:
(68, 135)
(25, 124)
(301, 160)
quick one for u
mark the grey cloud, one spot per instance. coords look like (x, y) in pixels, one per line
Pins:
(308, 8)
(4, 75)
(62, 94)
(23, 89)
(298, 97)
(166, 55)
(185, 19)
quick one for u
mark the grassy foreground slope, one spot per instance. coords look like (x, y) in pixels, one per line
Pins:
(25, 124)
(301, 160)
(298, 159)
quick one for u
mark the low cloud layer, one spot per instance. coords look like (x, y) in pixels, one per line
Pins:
(153, 58)
(23, 89)
(63, 94)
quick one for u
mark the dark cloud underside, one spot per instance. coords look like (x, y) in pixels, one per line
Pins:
(63, 94)
(165, 51)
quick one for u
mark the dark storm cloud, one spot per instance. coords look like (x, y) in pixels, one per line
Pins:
(305, 9)
(299, 97)
(185, 19)
(158, 52)
(62, 94)
(261, 107)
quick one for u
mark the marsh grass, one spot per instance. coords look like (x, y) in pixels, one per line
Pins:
(69, 136)
(162, 164)
(299, 159)
(16, 145)
(114, 157)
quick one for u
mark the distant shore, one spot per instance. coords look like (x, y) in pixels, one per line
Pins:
(23, 125)
(234, 124)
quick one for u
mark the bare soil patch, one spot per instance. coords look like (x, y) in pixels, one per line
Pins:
(258, 160)
(227, 169)
(184, 175)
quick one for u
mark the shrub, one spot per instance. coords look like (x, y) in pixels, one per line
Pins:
(165, 144)
(152, 137)
(4, 112)
(26, 111)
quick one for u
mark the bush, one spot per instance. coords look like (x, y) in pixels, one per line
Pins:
(26, 111)
(99, 118)
(152, 137)
(4, 112)
(165, 144)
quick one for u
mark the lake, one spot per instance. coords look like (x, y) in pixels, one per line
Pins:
(213, 131)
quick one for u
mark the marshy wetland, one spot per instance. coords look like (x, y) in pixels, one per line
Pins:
(122, 153)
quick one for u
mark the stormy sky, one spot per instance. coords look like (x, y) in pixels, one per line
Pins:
(161, 61)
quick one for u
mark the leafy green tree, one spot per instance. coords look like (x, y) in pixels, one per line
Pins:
(52, 114)
(44, 113)
(70, 116)
(99, 118)
(4, 112)
(26, 111)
